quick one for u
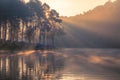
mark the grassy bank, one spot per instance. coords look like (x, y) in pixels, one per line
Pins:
(8, 45)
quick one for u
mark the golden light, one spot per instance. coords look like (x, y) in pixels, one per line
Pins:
(95, 59)
(72, 77)
(27, 1)
(73, 7)
(26, 52)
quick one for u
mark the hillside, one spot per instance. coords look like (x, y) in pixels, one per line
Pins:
(107, 12)
(97, 28)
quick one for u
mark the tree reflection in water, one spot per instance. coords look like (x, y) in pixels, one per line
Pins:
(36, 66)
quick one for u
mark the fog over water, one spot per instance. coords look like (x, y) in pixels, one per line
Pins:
(62, 64)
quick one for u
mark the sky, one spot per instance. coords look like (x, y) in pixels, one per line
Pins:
(73, 7)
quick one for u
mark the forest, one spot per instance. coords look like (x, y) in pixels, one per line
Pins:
(28, 23)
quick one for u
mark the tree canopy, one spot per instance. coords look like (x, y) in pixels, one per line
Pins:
(31, 22)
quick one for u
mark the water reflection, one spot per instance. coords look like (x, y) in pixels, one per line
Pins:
(91, 64)
(35, 66)
(63, 64)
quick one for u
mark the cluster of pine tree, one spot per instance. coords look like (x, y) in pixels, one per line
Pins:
(31, 22)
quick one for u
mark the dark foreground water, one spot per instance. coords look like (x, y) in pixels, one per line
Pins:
(62, 64)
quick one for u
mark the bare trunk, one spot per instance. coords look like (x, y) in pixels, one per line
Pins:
(10, 34)
(9, 29)
(5, 31)
(26, 24)
(0, 31)
(22, 30)
(16, 33)
(44, 39)
(53, 40)
(40, 37)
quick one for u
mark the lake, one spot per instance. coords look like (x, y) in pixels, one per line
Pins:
(61, 64)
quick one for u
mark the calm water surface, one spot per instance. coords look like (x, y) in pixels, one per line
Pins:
(62, 64)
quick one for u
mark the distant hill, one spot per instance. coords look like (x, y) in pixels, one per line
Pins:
(97, 28)
(110, 11)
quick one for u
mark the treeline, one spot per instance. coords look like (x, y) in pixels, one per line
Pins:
(31, 22)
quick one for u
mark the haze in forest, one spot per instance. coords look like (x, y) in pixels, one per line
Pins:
(27, 24)
(99, 27)
(35, 23)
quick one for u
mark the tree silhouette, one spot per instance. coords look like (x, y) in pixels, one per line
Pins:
(31, 22)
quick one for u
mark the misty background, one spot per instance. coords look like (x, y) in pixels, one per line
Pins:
(97, 28)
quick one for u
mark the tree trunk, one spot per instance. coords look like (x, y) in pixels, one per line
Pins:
(0, 31)
(16, 33)
(40, 37)
(26, 24)
(9, 29)
(44, 39)
(53, 39)
(11, 34)
(22, 30)
(5, 31)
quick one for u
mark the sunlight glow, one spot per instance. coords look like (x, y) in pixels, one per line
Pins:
(72, 77)
(73, 7)
(26, 52)
(27, 1)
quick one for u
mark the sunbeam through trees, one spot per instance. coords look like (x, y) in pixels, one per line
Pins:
(31, 22)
